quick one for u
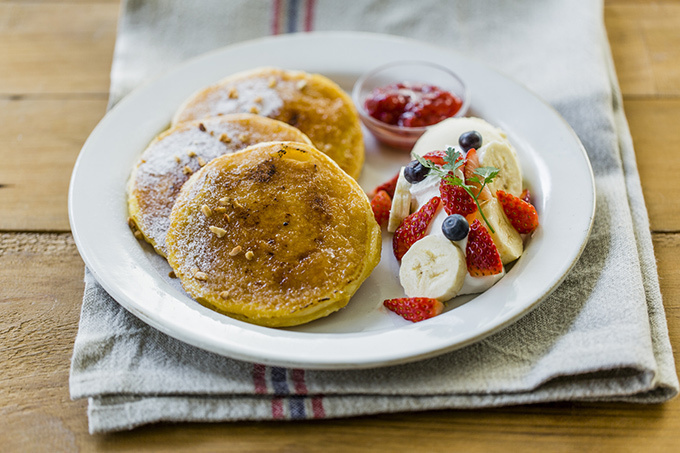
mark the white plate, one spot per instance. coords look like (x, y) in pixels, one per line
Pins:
(364, 334)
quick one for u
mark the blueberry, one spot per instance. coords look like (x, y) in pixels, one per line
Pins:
(469, 140)
(455, 227)
(415, 172)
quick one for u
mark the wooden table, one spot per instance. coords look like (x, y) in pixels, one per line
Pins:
(55, 58)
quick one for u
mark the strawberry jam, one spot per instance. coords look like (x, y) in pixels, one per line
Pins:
(411, 105)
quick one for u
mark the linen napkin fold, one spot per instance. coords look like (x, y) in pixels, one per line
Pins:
(601, 335)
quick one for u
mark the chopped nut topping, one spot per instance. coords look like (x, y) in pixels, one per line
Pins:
(201, 126)
(220, 209)
(224, 295)
(131, 223)
(205, 209)
(272, 82)
(172, 274)
(224, 138)
(237, 204)
(219, 232)
(233, 93)
(201, 161)
(193, 270)
(191, 153)
(249, 255)
(301, 84)
(258, 100)
(235, 251)
(201, 276)
(177, 159)
(226, 218)
(224, 201)
(138, 234)
(243, 137)
(254, 110)
(186, 170)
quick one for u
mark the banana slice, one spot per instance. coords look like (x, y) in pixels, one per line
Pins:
(447, 132)
(433, 267)
(502, 156)
(401, 203)
(508, 241)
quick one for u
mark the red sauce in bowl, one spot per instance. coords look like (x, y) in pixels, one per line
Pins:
(411, 105)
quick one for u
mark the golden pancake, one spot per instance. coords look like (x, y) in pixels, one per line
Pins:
(175, 154)
(311, 102)
(275, 235)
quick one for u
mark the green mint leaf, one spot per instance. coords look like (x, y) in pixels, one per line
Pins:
(453, 180)
(453, 159)
(425, 163)
(487, 173)
(476, 179)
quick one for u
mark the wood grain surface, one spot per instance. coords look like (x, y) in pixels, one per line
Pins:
(55, 58)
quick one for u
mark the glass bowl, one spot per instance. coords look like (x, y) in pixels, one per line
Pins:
(413, 72)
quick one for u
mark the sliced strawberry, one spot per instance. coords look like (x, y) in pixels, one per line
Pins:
(481, 254)
(387, 186)
(526, 196)
(455, 199)
(415, 308)
(471, 164)
(381, 205)
(414, 227)
(522, 215)
(436, 157)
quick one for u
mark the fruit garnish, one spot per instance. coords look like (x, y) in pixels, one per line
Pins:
(474, 184)
(414, 227)
(469, 140)
(381, 204)
(455, 199)
(481, 254)
(522, 215)
(526, 196)
(401, 203)
(415, 308)
(388, 186)
(472, 177)
(433, 267)
(455, 227)
(436, 157)
(414, 172)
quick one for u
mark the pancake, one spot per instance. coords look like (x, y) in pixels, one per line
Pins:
(295, 241)
(177, 153)
(311, 102)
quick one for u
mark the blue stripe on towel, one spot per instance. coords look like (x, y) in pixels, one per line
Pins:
(279, 382)
(293, 6)
(296, 405)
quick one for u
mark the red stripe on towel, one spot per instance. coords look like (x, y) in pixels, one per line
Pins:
(317, 407)
(309, 15)
(298, 376)
(277, 408)
(276, 13)
(259, 380)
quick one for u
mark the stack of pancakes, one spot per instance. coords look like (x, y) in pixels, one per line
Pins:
(250, 196)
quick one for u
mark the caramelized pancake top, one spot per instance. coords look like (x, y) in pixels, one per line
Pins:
(275, 235)
(311, 102)
(182, 150)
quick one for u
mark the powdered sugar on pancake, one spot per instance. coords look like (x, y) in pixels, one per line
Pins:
(174, 156)
(249, 96)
